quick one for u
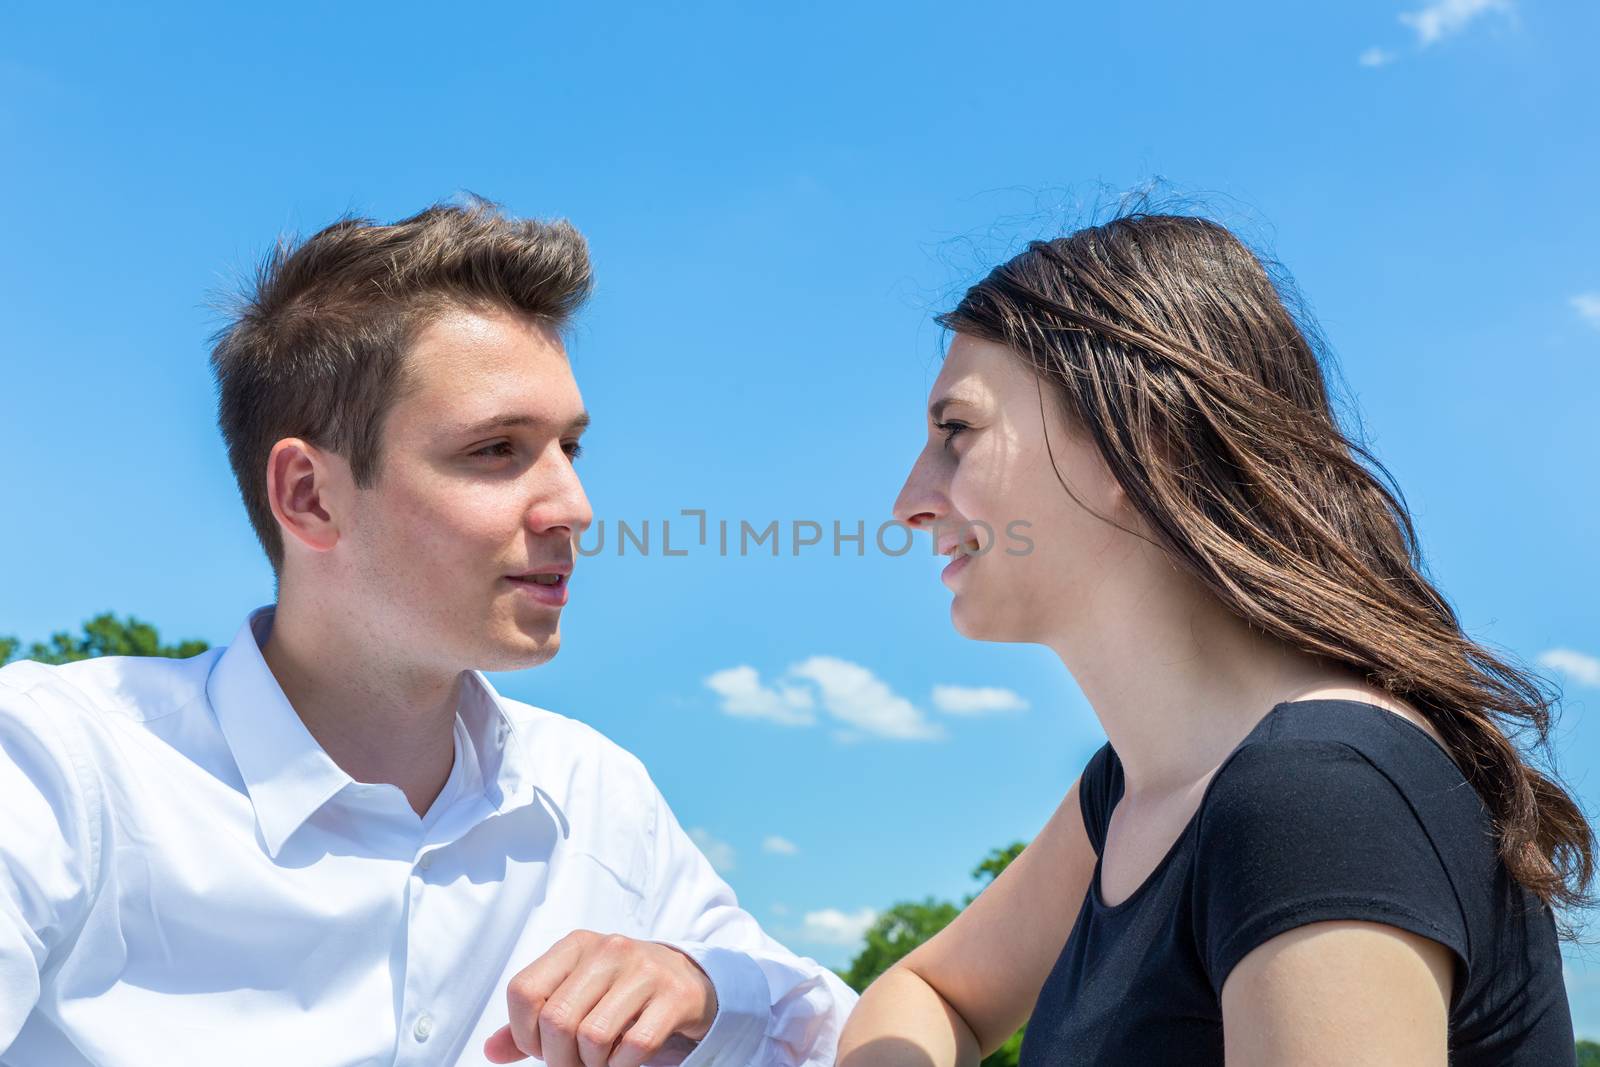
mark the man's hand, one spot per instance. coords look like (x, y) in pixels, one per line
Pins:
(603, 1000)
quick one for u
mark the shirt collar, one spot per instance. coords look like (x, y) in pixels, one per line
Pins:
(501, 748)
(289, 776)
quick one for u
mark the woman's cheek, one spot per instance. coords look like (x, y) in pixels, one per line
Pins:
(969, 490)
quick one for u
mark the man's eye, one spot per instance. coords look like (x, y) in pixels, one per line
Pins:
(495, 449)
(573, 449)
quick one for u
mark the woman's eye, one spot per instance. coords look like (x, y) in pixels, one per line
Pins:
(950, 429)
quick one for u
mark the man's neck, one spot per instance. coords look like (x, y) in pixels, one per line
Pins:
(379, 720)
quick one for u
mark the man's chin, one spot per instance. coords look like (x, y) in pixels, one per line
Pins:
(523, 652)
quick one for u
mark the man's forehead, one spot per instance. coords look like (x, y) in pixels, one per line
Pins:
(495, 399)
(463, 341)
(469, 369)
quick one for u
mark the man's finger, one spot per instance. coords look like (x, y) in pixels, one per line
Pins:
(648, 1034)
(531, 987)
(610, 1019)
(565, 1009)
(502, 1047)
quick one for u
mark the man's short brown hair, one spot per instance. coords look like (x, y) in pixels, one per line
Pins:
(317, 345)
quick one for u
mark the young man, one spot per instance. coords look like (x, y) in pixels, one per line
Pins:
(333, 842)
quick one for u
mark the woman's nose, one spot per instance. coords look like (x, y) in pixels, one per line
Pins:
(921, 501)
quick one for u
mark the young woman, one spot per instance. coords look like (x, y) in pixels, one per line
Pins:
(1308, 839)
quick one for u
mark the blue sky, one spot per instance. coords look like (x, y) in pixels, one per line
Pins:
(777, 200)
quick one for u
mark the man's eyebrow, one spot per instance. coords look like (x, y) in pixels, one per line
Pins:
(512, 420)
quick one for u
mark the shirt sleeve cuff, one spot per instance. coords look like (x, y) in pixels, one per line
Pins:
(744, 1006)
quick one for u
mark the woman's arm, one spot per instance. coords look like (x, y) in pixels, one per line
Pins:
(962, 993)
(1341, 992)
(902, 1021)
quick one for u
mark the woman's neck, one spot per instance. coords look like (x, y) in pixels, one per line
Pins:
(1176, 679)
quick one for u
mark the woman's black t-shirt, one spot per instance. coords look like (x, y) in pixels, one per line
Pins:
(1329, 809)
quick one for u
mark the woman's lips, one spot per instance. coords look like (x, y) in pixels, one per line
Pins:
(554, 596)
(955, 566)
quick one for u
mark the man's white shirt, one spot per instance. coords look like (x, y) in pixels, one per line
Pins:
(186, 877)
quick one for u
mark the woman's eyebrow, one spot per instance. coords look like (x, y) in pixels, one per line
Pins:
(937, 409)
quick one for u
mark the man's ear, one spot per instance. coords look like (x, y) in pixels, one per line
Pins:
(303, 488)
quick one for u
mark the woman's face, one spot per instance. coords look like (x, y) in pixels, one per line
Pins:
(1027, 562)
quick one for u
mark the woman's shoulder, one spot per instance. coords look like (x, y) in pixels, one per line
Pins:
(1364, 739)
(1326, 760)
(1338, 810)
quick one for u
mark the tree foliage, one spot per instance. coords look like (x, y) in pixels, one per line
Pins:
(908, 924)
(995, 862)
(103, 635)
(899, 930)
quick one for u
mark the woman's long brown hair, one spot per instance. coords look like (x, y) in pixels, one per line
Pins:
(1172, 347)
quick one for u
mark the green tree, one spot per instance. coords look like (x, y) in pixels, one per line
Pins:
(995, 862)
(1588, 1054)
(908, 924)
(897, 931)
(103, 635)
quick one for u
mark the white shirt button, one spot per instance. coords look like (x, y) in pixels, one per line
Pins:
(423, 1028)
(426, 861)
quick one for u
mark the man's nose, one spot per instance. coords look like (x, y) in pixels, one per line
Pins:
(564, 505)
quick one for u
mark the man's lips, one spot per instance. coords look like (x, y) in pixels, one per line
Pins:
(561, 568)
(546, 585)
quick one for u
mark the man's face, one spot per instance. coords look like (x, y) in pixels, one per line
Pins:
(475, 495)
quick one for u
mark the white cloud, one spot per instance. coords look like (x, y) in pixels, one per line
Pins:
(1588, 306)
(860, 703)
(1376, 57)
(830, 926)
(1442, 18)
(976, 700)
(1582, 668)
(744, 696)
(780, 909)
(719, 853)
(857, 697)
(779, 846)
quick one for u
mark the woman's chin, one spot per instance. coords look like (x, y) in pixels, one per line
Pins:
(971, 623)
(977, 624)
